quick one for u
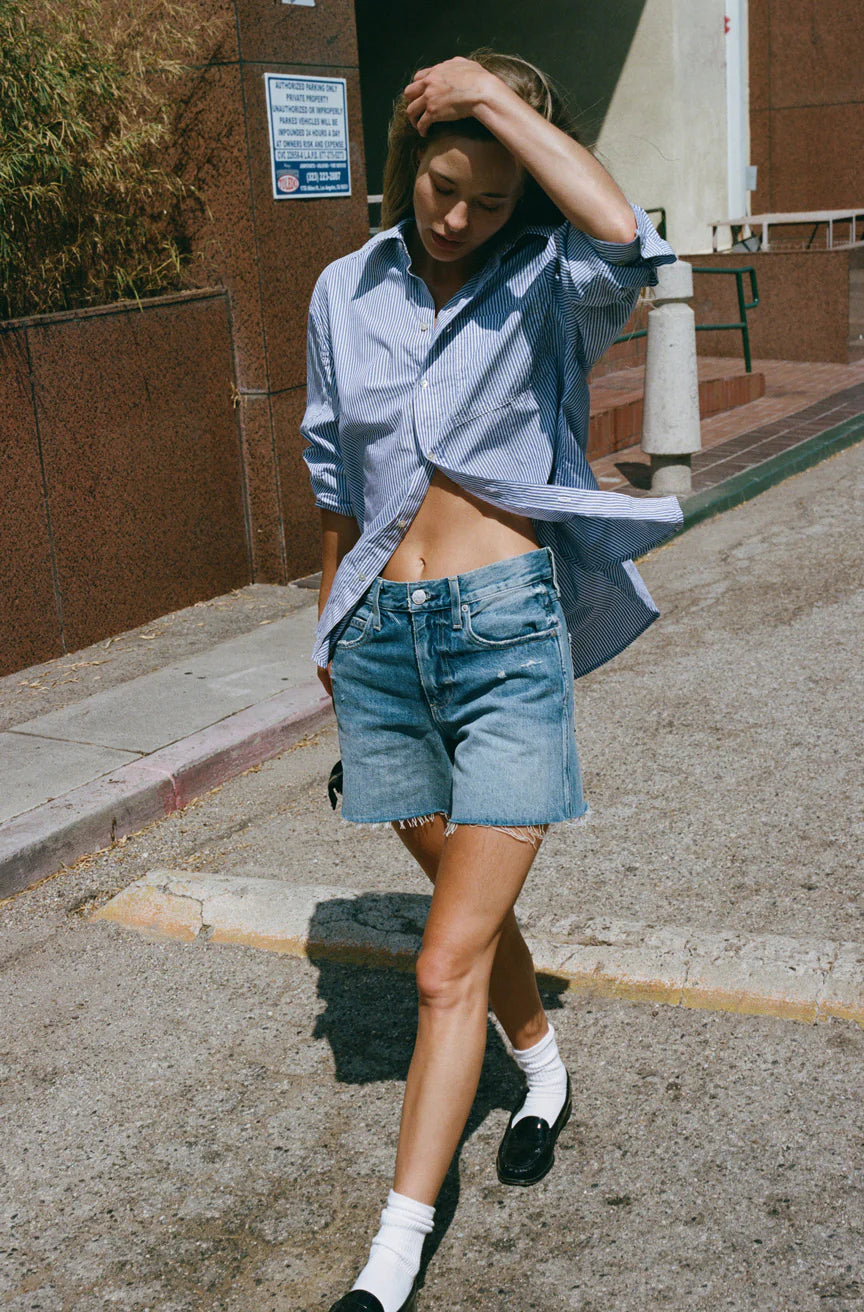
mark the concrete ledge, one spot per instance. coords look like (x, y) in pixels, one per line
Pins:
(95, 815)
(803, 979)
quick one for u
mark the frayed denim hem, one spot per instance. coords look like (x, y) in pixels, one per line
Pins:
(578, 821)
(409, 822)
(532, 834)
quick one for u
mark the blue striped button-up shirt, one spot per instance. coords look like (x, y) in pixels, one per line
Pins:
(493, 393)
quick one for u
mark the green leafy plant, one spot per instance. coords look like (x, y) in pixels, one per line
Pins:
(94, 204)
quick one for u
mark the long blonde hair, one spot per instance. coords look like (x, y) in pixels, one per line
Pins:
(403, 139)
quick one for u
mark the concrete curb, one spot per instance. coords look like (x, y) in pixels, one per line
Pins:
(87, 819)
(737, 489)
(803, 979)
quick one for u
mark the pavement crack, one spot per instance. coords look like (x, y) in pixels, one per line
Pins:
(170, 890)
(825, 972)
(688, 954)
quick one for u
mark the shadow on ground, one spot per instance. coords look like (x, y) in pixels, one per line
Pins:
(370, 1044)
(637, 473)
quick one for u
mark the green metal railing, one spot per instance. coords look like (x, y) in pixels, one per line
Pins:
(743, 307)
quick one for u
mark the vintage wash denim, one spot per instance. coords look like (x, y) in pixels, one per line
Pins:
(455, 696)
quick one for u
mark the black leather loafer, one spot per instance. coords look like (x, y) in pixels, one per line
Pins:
(358, 1300)
(527, 1151)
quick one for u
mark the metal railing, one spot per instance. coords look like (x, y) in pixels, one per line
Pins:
(743, 307)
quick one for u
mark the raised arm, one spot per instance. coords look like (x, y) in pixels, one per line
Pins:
(568, 173)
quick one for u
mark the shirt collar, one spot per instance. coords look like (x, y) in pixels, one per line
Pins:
(396, 234)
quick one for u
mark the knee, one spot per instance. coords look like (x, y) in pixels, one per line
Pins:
(447, 978)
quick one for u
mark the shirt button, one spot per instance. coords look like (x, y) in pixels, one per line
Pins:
(424, 325)
(418, 596)
(401, 523)
(424, 383)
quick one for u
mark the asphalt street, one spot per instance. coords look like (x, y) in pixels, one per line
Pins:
(190, 1127)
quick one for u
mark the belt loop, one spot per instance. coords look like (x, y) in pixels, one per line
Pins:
(373, 599)
(455, 611)
(551, 556)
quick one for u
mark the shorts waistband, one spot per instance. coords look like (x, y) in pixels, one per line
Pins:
(438, 594)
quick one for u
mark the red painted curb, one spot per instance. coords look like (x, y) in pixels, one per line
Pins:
(123, 801)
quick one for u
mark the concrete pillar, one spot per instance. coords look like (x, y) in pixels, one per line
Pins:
(670, 425)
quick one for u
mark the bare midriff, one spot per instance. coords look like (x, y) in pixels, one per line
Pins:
(454, 532)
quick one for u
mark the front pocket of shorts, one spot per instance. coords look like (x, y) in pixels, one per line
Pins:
(509, 618)
(356, 632)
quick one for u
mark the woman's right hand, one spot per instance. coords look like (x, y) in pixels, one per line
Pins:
(326, 678)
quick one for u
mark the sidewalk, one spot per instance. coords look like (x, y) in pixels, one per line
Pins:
(101, 742)
(134, 727)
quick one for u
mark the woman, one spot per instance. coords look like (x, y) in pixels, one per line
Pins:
(464, 542)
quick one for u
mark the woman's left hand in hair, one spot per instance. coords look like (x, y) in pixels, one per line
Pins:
(447, 91)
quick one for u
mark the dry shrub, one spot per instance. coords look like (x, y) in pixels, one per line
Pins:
(93, 207)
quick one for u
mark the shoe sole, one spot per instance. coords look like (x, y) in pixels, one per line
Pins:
(526, 1181)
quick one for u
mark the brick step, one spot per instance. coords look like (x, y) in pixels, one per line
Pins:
(616, 404)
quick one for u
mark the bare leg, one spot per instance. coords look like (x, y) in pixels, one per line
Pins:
(478, 879)
(513, 993)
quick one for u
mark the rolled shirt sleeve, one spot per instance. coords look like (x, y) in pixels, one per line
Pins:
(320, 423)
(601, 280)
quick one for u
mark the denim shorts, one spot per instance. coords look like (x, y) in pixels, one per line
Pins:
(454, 696)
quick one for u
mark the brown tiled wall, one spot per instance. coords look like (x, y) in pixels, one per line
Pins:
(806, 104)
(29, 623)
(120, 471)
(803, 310)
(268, 253)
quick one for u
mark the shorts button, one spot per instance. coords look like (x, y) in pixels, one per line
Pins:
(418, 596)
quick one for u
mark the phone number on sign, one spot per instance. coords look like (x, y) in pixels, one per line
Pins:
(323, 176)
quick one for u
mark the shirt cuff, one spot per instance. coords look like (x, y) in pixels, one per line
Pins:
(328, 501)
(617, 252)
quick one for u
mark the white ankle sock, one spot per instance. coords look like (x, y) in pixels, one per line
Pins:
(546, 1076)
(394, 1258)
